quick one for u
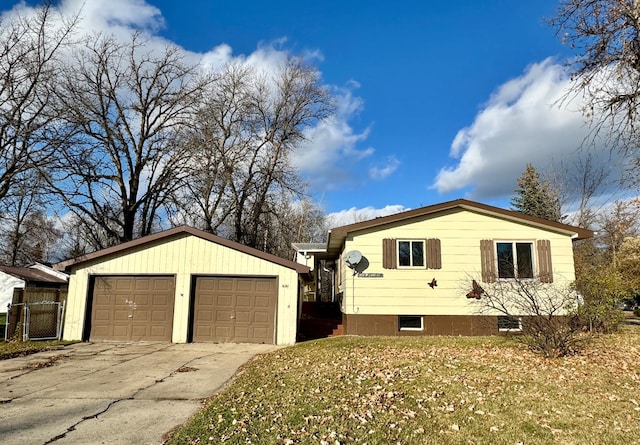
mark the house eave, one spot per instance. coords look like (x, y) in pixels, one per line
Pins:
(338, 235)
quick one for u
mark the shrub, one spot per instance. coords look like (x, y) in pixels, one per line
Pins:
(602, 292)
(552, 336)
(547, 327)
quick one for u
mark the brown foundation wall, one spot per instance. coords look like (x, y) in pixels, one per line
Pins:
(387, 325)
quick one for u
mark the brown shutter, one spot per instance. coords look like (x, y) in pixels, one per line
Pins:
(434, 255)
(389, 253)
(487, 259)
(545, 271)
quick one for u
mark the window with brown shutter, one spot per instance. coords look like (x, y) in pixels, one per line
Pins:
(545, 271)
(411, 253)
(514, 259)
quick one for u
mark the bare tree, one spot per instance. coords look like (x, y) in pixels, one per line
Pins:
(77, 237)
(26, 231)
(122, 105)
(219, 142)
(29, 50)
(607, 65)
(292, 220)
(251, 122)
(629, 265)
(616, 225)
(578, 184)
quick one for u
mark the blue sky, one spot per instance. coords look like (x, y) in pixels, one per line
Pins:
(437, 100)
(421, 69)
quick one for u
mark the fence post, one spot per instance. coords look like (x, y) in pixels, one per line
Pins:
(25, 323)
(60, 320)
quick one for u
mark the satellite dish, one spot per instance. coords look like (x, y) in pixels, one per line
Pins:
(352, 258)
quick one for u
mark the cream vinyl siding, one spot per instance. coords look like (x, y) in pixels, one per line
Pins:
(406, 291)
(183, 256)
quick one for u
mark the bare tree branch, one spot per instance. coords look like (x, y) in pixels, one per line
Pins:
(29, 57)
(122, 106)
(241, 143)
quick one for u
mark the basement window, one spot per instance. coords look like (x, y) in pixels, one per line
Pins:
(509, 324)
(410, 323)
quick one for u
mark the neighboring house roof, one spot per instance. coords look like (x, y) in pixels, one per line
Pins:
(50, 271)
(33, 275)
(338, 235)
(176, 232)
(318, 250)
(309, 247)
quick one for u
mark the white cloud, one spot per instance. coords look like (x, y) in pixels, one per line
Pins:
(216, 58)
(117, 17)
(380, 173)
(331, 151)
(522, 122)
(354, 215)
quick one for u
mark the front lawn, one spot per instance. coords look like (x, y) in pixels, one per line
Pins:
(442, 390)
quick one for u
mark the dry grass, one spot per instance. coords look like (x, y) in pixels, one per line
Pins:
(11, 349)
(429, 390)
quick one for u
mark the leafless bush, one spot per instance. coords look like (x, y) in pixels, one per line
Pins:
(545, 311)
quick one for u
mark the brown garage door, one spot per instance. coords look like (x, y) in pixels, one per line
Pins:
(132, 308)
(235, 309)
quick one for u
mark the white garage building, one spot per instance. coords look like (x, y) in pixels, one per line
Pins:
(182, 285)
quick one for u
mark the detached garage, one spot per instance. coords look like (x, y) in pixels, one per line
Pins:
(182, 285)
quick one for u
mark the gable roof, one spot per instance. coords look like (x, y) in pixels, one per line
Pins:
(338, 235)
(32, 275)
(174, 233)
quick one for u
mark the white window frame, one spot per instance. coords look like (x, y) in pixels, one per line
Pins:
(513, 243)
(518, 329)
(401, 328)
(411, 241)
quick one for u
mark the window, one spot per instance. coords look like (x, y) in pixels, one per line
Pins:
(421, 254)
(411, 253)
(498, 260)
(509, 324)
(515, 259)
(410, 323)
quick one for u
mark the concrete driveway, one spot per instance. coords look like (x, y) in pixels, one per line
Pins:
(112, 393)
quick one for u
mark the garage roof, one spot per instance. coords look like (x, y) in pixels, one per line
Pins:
(67, 265)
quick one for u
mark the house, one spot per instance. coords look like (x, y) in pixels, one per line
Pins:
(182, 285)
(35, 276)
(412, 273)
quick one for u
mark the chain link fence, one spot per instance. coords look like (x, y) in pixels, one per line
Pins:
(40, 320)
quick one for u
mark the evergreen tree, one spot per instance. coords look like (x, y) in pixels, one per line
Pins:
(535, 196)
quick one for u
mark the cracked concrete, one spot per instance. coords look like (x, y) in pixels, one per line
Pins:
(112, 393)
